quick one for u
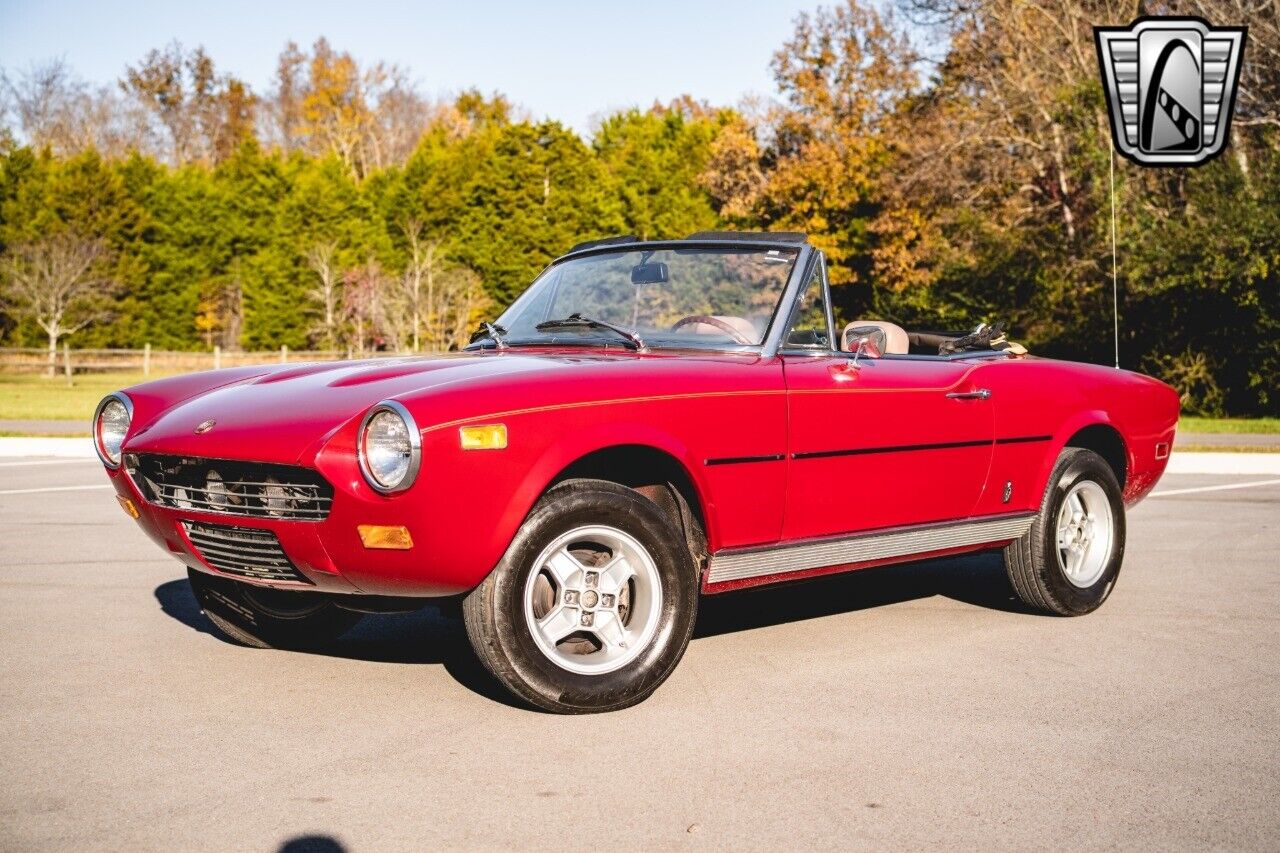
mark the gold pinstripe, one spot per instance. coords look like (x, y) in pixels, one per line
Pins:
(660, 398)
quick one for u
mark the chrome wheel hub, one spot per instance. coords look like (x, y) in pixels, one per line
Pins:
(593, 600)
(1085, 534)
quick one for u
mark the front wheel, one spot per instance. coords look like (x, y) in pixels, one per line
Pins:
(1067, 563)
(593, 604)
(270, 618)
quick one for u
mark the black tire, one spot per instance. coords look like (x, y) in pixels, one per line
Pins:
(501, 634)
(1033, 563)
(269, 618)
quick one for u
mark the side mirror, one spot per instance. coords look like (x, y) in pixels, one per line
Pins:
(869, 346)
(861, 346)
(873, 338)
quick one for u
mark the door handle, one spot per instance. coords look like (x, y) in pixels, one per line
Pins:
(980, 394)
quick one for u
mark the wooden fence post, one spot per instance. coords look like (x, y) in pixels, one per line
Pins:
(146, 360)
(217, 356)
(66, 361)
(284, 353)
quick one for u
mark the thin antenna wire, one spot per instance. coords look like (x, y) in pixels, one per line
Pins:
(1115, 286)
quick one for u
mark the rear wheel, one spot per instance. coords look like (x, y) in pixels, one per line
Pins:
(1067, 563)
(593, 604)
(270, 618)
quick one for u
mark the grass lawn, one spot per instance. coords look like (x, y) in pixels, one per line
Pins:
(1230, 425)
(25, 396)
(1225, 448)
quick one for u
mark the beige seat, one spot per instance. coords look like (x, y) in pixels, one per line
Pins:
(896, 341)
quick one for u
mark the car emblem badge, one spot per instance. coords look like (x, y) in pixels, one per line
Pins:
(206, 426)
(1171, 87)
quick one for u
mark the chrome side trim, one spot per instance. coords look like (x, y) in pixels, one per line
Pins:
(864, 547)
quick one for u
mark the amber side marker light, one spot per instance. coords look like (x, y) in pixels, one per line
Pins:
(385, 538)
(486, 437)
(128, 507)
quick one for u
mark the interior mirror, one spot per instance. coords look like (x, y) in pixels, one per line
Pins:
(655, 273)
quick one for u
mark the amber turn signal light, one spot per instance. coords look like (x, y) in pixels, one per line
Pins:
(128, 507)
(385, 538)
(486, 437)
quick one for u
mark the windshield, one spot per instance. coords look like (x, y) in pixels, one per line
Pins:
(713, 298)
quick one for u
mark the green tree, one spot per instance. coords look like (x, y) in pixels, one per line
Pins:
(654, 160)
(538, 192)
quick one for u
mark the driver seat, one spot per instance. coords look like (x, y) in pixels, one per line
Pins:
(896, 340)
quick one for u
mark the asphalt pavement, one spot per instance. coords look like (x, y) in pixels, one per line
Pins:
(903, 707)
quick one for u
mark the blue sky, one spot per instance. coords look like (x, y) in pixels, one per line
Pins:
(558, 59)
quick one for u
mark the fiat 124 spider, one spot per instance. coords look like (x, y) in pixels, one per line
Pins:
(649, 423)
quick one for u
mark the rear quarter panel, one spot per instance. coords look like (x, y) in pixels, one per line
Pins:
(1048, 402)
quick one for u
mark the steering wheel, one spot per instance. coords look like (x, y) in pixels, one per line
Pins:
(717, 323)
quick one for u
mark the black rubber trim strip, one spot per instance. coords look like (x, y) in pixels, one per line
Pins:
(863, 451)
(1024, 439)
(903, 448)
(743, 460)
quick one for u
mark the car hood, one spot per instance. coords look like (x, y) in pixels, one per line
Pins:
(281, 413)
(285, 413)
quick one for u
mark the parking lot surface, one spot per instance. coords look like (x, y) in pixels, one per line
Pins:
(906, 707)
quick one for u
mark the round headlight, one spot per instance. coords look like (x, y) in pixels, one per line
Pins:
(110, 424)
(390, 447)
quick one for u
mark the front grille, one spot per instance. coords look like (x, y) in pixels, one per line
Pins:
(242, 551)
(255, 489)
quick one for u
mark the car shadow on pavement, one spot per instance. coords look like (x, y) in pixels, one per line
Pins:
(313, 843)
(435, 635)
(432, 635)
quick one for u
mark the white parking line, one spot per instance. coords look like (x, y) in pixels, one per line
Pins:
(1256, 464)
(67, 448)
(55, 489)
(1214, 488)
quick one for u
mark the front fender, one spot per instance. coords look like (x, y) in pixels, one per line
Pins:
(466, 505)
(567, 450)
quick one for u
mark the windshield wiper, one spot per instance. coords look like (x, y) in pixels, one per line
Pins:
(491, 330)
(577, 321)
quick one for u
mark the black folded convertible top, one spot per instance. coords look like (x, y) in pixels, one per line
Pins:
(777, 238)
(604, 241)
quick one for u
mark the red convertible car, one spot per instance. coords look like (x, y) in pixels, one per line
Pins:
(649, 423)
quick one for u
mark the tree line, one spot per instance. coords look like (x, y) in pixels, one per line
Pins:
(952, 157)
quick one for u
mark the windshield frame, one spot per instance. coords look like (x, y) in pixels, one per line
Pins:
(774, 334)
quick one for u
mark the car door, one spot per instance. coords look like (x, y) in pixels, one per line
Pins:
(876, 442)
